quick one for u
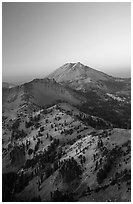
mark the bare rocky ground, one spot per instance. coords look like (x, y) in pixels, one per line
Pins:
(53, 154)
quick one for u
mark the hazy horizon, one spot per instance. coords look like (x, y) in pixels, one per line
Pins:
(40, 76)
(38, 38)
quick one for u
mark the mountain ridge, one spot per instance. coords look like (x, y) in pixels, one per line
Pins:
(61, 143)
(79, 88)
(41, 92)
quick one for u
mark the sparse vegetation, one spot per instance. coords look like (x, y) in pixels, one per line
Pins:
(110, 159)
(70, 170)
(67, 147)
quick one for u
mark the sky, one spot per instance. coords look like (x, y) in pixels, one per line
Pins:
(38, 38)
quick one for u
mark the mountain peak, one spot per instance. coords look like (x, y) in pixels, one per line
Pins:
(72, 65)
(79, 64)
(79, 74)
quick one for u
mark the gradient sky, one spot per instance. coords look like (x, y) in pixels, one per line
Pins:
(37, 38)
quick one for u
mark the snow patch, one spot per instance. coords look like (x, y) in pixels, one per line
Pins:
(115, 97)
(119, 79)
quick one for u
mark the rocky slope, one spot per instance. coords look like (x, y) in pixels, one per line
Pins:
(41, 92)
(81, 77)
(60, 141)
(106, 96)
(64, 158)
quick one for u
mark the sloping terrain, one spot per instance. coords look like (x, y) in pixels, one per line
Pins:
(63, 158)
(67, 71)
(46, 92)
(106, 96)
(41, 92)
(68, 140)
(81, 77)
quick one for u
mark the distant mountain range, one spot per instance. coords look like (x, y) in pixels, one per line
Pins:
(7, 85)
